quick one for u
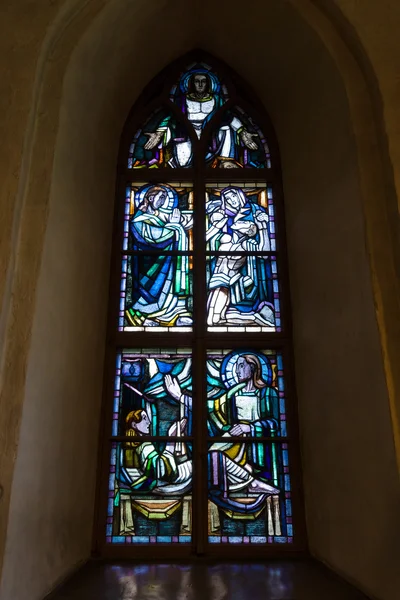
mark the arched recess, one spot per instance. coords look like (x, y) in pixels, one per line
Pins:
(82, 179)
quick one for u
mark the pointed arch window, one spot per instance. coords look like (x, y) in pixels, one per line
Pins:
(200, 440)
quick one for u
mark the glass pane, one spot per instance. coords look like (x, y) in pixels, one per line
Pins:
(149, 494)
(156, 293)
(242, 294)
(249, 494)
(237, 142)
(199, 94)
(246, 393)
(153, 393)
(162, 142)
(158, 217)
(240, 218)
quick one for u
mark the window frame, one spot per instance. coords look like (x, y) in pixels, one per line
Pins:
(199, 340)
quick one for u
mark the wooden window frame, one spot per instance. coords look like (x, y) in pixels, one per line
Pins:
(199, 340)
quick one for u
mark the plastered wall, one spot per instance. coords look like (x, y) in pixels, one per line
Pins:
(350, 477)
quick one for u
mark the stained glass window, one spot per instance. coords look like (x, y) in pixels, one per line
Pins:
(150, 482)
(237, 142)
(158, 217)
(149, 495)
(146, 381)
(248, 480)
(242, 271)
(249, 503)
(156, 276)
(200, 445)
(248, 386)
(163, 141)
(229, 205)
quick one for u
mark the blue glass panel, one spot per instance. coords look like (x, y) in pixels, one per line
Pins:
(156, 385)
(158, 295)
(158, 217)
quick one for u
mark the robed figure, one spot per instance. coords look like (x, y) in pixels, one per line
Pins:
(241, 403)
(240, 286)
(160, 289)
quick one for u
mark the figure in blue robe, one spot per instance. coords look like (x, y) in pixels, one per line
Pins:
(160, 284)
(199, 95)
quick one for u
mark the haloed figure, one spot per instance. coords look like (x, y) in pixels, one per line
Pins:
(238, 476)
(199, 102)
(246, 409)
(160, 295)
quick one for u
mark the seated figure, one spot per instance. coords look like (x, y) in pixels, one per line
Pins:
(147, 469)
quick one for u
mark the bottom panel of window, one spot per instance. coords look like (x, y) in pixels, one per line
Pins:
(150, 493)
(249, 493)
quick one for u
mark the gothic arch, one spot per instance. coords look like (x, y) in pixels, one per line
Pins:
(34, 197)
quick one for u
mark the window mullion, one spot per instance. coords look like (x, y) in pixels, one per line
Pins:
(200, 495)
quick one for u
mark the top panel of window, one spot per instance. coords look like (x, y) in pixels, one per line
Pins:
(198, 106)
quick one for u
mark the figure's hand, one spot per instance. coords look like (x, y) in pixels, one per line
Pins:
(172, 386)
(216, 216)
(240, 429)
(248, 141)
(175, 216)
(262, 219)
(212, 205)
(154, 140)
(218, 220)
(172, 431)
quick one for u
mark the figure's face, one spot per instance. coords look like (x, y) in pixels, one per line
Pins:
(232, 198)
(143, 427)
(157, 199)
(200, 84)
(252, 230)
(243, 369)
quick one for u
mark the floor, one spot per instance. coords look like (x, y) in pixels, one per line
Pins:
(276, 580)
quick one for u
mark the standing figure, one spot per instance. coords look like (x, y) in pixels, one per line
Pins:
(199, 98)
(160, 293)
